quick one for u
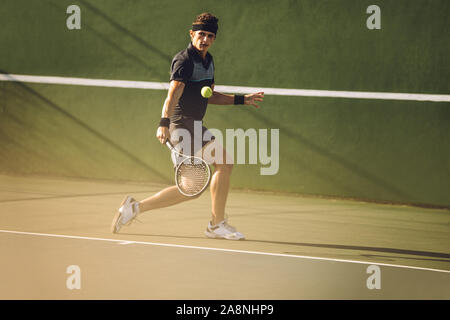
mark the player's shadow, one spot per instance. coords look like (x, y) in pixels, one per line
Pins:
(437, 256)
(393, 258)
(29, 96)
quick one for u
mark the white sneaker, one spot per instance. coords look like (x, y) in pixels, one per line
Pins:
(126, 214)
(223, 230)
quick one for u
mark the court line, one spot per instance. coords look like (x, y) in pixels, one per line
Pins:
(229, 89)
(126, 242)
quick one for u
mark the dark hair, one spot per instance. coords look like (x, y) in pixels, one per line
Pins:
(206, 18)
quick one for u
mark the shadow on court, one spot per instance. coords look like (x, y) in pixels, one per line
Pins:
(70, 196)
(329, 246)
(28, 107)
(161, 258)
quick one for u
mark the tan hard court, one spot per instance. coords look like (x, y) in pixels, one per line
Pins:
(296, 247)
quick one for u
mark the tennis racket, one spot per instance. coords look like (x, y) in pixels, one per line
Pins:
(192, 174)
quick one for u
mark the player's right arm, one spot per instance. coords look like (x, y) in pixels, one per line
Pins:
(173, 96)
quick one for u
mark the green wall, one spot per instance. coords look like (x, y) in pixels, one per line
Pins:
(367, 149)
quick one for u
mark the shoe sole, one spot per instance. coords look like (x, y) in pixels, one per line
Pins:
(215, 236)
(117, 216)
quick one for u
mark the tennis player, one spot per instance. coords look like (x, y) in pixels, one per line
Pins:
(192, 69)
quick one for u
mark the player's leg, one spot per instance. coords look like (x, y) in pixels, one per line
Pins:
(169, 196)
(220, 186)
(130, 208)
(215, 154)
(165, 198)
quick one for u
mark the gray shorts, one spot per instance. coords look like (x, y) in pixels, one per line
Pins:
(188, 135)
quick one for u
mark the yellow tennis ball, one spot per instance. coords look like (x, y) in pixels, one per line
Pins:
(206, 92)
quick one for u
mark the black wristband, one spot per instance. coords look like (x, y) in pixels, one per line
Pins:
(238, 99)
(164, 122)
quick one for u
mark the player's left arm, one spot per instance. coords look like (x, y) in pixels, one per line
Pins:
(228, 99)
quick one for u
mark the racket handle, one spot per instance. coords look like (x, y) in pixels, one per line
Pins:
(169, 144)
(172, 148)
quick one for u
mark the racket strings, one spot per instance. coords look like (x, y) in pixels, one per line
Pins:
(192, 176)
